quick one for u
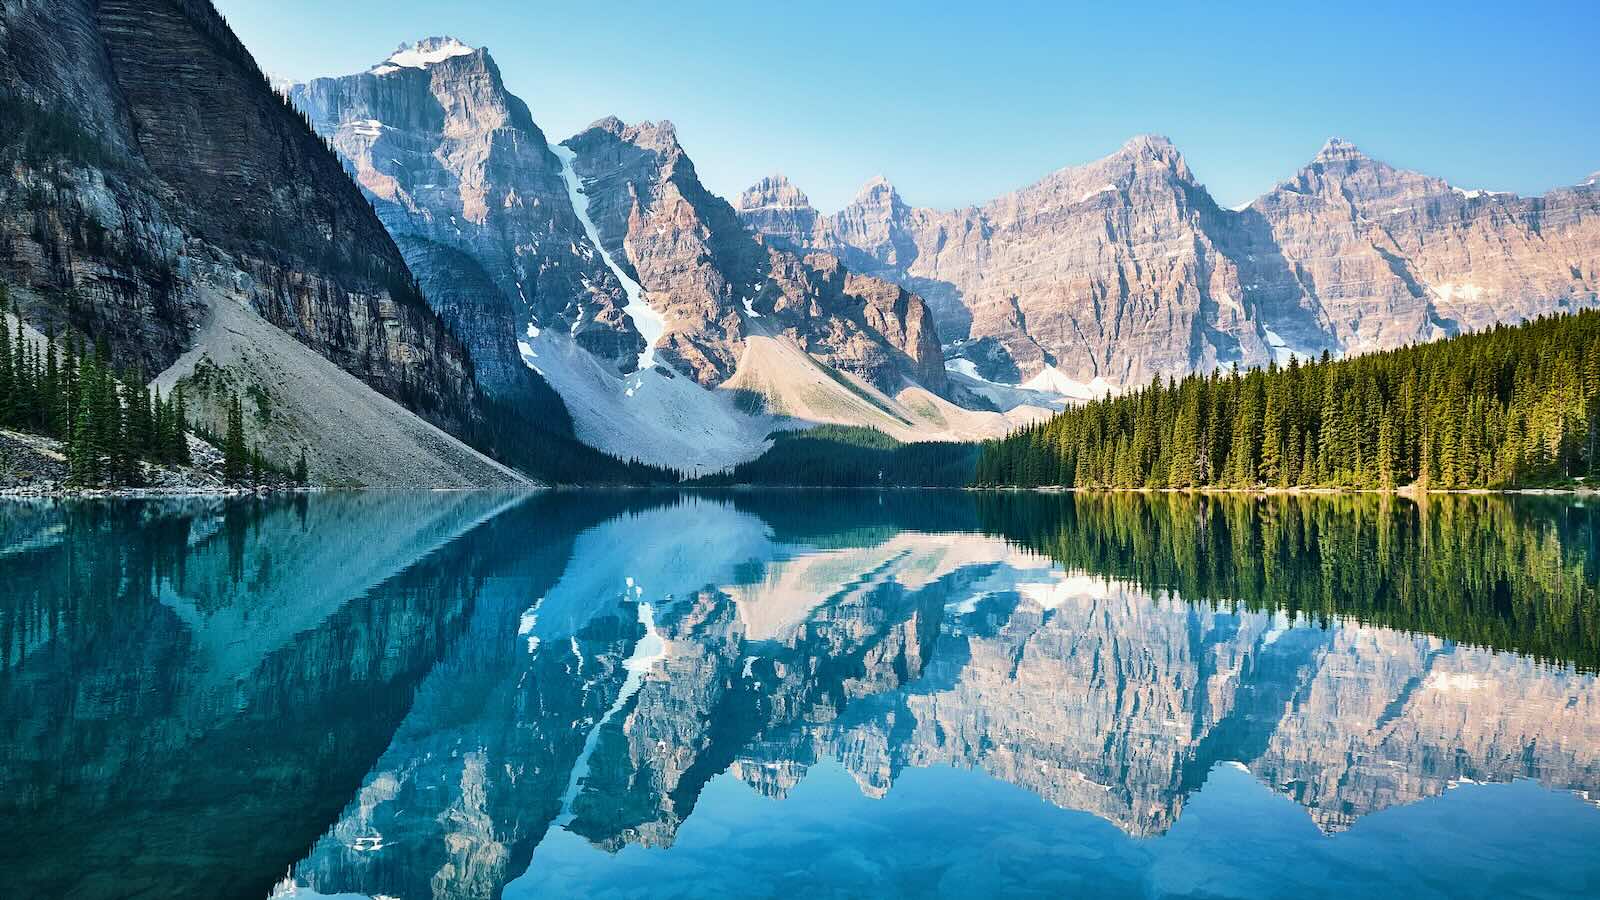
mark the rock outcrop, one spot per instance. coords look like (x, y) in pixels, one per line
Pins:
(1126, 268)
(715, 285)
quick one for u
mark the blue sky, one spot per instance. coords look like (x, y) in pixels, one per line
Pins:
(958, 102)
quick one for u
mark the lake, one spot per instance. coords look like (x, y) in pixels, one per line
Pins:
(839, 694)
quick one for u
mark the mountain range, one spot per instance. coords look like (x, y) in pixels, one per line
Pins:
(419, 287)
(1124, 269)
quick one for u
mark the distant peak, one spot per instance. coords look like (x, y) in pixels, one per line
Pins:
(1155, 149)
(877, 190)
(1149, 142)
(773, 192)
(427, 52)
(659, 136)
(1339, 149)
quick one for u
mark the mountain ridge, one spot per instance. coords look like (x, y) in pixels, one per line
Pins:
(1252, 287)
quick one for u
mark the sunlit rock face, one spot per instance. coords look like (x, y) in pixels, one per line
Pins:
(715, 285)
(465, 181)
(1125, 268)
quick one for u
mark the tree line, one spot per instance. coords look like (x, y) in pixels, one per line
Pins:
(109, 422)
(1510, 406)
(74, 395)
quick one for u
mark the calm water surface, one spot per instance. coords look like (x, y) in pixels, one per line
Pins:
(799, 694)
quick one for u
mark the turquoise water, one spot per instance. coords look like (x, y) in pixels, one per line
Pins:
(781, 694)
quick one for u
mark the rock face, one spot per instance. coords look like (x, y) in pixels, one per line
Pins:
(1126, 268)
(715, 285)
(463, 178)
(468, 185)
(150, 168)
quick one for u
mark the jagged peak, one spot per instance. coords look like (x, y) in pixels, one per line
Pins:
(775, 190)
(429, 51)
(656, 135)
(878, 189)
(1156, 149)
(1339, 149)
(1149, 143)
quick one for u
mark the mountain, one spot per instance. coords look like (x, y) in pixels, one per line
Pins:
(1107, 274)
(164, 200)
(603, 268)
(468, 185)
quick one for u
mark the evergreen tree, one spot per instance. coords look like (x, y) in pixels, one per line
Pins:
(235, 457)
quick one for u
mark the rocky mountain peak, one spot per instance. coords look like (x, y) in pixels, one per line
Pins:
(1153, 146)
(877, 192)
(1339, 149)
(661, 136)
(773, 192)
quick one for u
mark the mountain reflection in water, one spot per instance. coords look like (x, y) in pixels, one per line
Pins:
(470, 695)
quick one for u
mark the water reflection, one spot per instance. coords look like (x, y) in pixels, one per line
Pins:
(464, 695)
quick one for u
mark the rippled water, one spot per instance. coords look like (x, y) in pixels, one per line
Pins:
(800, 694)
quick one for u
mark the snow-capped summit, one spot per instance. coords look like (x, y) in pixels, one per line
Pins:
(427, 52)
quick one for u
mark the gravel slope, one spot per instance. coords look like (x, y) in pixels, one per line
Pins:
(293, 398)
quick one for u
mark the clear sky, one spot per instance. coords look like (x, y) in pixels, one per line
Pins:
(958, 102)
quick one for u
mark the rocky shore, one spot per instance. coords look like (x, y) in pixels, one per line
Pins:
(35, 466)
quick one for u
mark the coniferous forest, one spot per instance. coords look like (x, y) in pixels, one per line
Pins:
(109, 423)
(1511, 406)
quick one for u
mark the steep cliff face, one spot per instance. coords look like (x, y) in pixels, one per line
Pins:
(1126, 268)
(155, 174)
(605, 270)
(463, 178)
(715, 286)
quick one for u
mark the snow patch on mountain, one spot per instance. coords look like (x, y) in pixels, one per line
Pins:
(650, 323)
(652, 415)
(964, 374)
(427, 52)
(1281, 351)
(1053, 380)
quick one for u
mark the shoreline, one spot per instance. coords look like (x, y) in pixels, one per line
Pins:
(150, 493)
(1307, 491)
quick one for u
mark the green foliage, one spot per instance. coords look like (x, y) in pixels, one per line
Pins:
(844, 456)
(108, 421)
(235, 456)
(535, 446)
(1514, 574)
(1512, 406)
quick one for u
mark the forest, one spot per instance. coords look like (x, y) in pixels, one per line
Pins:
(1513, 406)
(108, 421)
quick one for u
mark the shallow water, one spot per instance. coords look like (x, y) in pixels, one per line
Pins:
(800, 694)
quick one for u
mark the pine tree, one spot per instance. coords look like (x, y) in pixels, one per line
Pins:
(178, 450)
(1388, 453)
(234, 455)
(302, 472)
